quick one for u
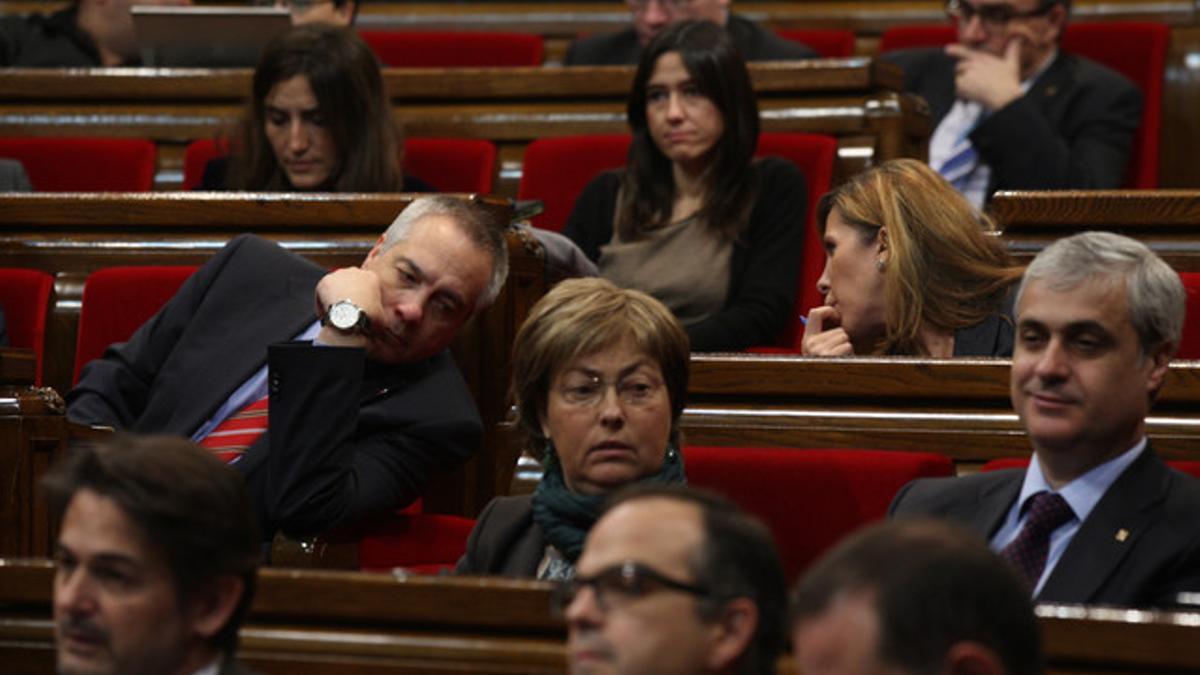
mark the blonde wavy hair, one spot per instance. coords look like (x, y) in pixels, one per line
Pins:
(946, 268)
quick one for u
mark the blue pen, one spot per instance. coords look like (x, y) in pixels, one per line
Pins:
(803, 320)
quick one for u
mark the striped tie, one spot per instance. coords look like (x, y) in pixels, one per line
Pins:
(230, 439)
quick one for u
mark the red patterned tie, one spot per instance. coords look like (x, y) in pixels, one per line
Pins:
(230, 439)
(1027, 553)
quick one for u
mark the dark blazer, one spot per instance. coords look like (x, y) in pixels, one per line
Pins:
(622, 48)
(505, 540)
(347, 436)
(1073, 129)
(1156, 506)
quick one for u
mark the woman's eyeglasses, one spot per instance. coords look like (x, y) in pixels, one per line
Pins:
(620, 584)
(588, 390)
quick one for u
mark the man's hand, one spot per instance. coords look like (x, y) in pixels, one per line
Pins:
(358, 286)
(988, 79)
(823, 334)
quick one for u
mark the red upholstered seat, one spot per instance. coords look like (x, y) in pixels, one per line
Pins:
(447, 164)
(425, 543)
(197, 155)
(117, 300)
(831, 44)
(908, 37)
(84, 164)
(1137, 50)
(25, 298)
(1189, 346)
(809, 498)
(452, 164)
(1190, 467)
(410, 49)
(555, 170)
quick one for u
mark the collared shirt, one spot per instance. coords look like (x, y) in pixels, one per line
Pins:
(251, 390)
(958, 123)
(1081, 494)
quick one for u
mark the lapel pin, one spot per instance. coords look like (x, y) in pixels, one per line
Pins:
(1051, 90)
(1122, 535)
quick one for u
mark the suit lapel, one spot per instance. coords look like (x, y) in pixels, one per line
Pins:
(995, 499)
(265, 316)
(939, 90)
(1111, 531)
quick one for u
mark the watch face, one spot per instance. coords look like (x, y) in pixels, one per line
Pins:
(343, 315)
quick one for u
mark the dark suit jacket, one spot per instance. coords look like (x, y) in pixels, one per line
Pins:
(1158, 507)
(505, 540)
(347, 436)
(1073, 129)
(622, 48)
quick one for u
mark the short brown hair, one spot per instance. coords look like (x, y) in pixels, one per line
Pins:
(583, 316)
(945, 267)
(188, 503)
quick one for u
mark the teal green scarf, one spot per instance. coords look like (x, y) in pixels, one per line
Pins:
(566, 517)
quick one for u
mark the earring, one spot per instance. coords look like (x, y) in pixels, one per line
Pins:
(879, 264)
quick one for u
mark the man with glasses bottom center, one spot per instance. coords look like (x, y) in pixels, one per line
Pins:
(1014, 112)
(674, 581)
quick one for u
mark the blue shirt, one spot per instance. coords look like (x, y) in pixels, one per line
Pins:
(250, 391)
(1081, 495)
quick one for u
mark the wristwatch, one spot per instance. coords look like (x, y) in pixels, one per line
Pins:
(347, 317)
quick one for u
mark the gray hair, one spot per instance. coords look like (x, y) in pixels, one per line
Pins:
(473, 221)
(1156, 297)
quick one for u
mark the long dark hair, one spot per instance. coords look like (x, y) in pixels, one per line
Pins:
(719, 72)
(345, 79)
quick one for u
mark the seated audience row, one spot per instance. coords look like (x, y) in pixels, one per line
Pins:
(677, 582)
(672, 580)
(1098, 315)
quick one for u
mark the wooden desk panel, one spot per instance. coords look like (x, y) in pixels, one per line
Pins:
(958, 407)
(1168, 221)
(375, 623)
(856, 100)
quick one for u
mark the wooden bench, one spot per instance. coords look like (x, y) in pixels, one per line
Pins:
(312, 623)
(856, 100)
(958, 407)
(72, 235)
(1168, 221)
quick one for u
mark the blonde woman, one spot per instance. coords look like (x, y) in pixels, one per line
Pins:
(911, 268)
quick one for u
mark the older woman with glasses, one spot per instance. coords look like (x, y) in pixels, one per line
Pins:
(599, 375)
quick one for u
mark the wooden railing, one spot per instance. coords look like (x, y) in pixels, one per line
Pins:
(856, 100)
(314, 623)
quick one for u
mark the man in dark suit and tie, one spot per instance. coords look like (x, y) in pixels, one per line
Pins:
(1011, 111)
(365, 402)
(1097, 517)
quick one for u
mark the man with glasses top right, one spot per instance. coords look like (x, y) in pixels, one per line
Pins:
(1014, 112)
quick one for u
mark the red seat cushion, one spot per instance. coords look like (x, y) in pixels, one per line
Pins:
(421, 542)
(830, 44)
(84, 164)
(447, 164)
(433, 49)
(25, 298)
(810, 499)
(118, 300)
